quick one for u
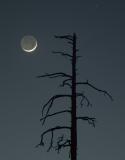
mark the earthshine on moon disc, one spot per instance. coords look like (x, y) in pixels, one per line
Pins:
(28, 43)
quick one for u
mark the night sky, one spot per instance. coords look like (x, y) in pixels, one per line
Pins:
(100, 27)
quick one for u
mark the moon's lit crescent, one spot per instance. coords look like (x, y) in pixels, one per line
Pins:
(28, 44)
(30, 50)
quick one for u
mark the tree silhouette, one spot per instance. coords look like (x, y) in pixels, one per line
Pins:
(69, 80)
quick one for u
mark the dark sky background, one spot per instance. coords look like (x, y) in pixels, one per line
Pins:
(100, 27)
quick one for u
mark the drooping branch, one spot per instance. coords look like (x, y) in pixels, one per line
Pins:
(52, 99)
(90, 120)
(56, 113)
(84, 98)
(50, 131)
(55, 75)
(65, 82)
(50, 103)
(95, 88)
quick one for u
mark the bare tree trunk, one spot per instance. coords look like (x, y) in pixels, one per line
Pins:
(73, 103)
(70, 81)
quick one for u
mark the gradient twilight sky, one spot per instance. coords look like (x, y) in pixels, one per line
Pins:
(100, 27)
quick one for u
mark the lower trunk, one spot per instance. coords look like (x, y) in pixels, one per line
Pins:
(73, 113)
(74, 136)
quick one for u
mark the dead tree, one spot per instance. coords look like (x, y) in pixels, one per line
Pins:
(70, 81)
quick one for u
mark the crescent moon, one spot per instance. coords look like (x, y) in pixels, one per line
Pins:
(28, 43)
(31, 50)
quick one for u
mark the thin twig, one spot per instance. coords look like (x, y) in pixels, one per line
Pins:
(90, 120)
(62, 53)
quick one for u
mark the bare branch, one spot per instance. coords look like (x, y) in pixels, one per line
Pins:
(62, 143)
(78, 57)
(92, 86)
(62, 53)
(50, 103)
(90, 120)
(56, 113)
(84, 98)
(55, 75)
(65, 82)
(68, 37)
(50, 131)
